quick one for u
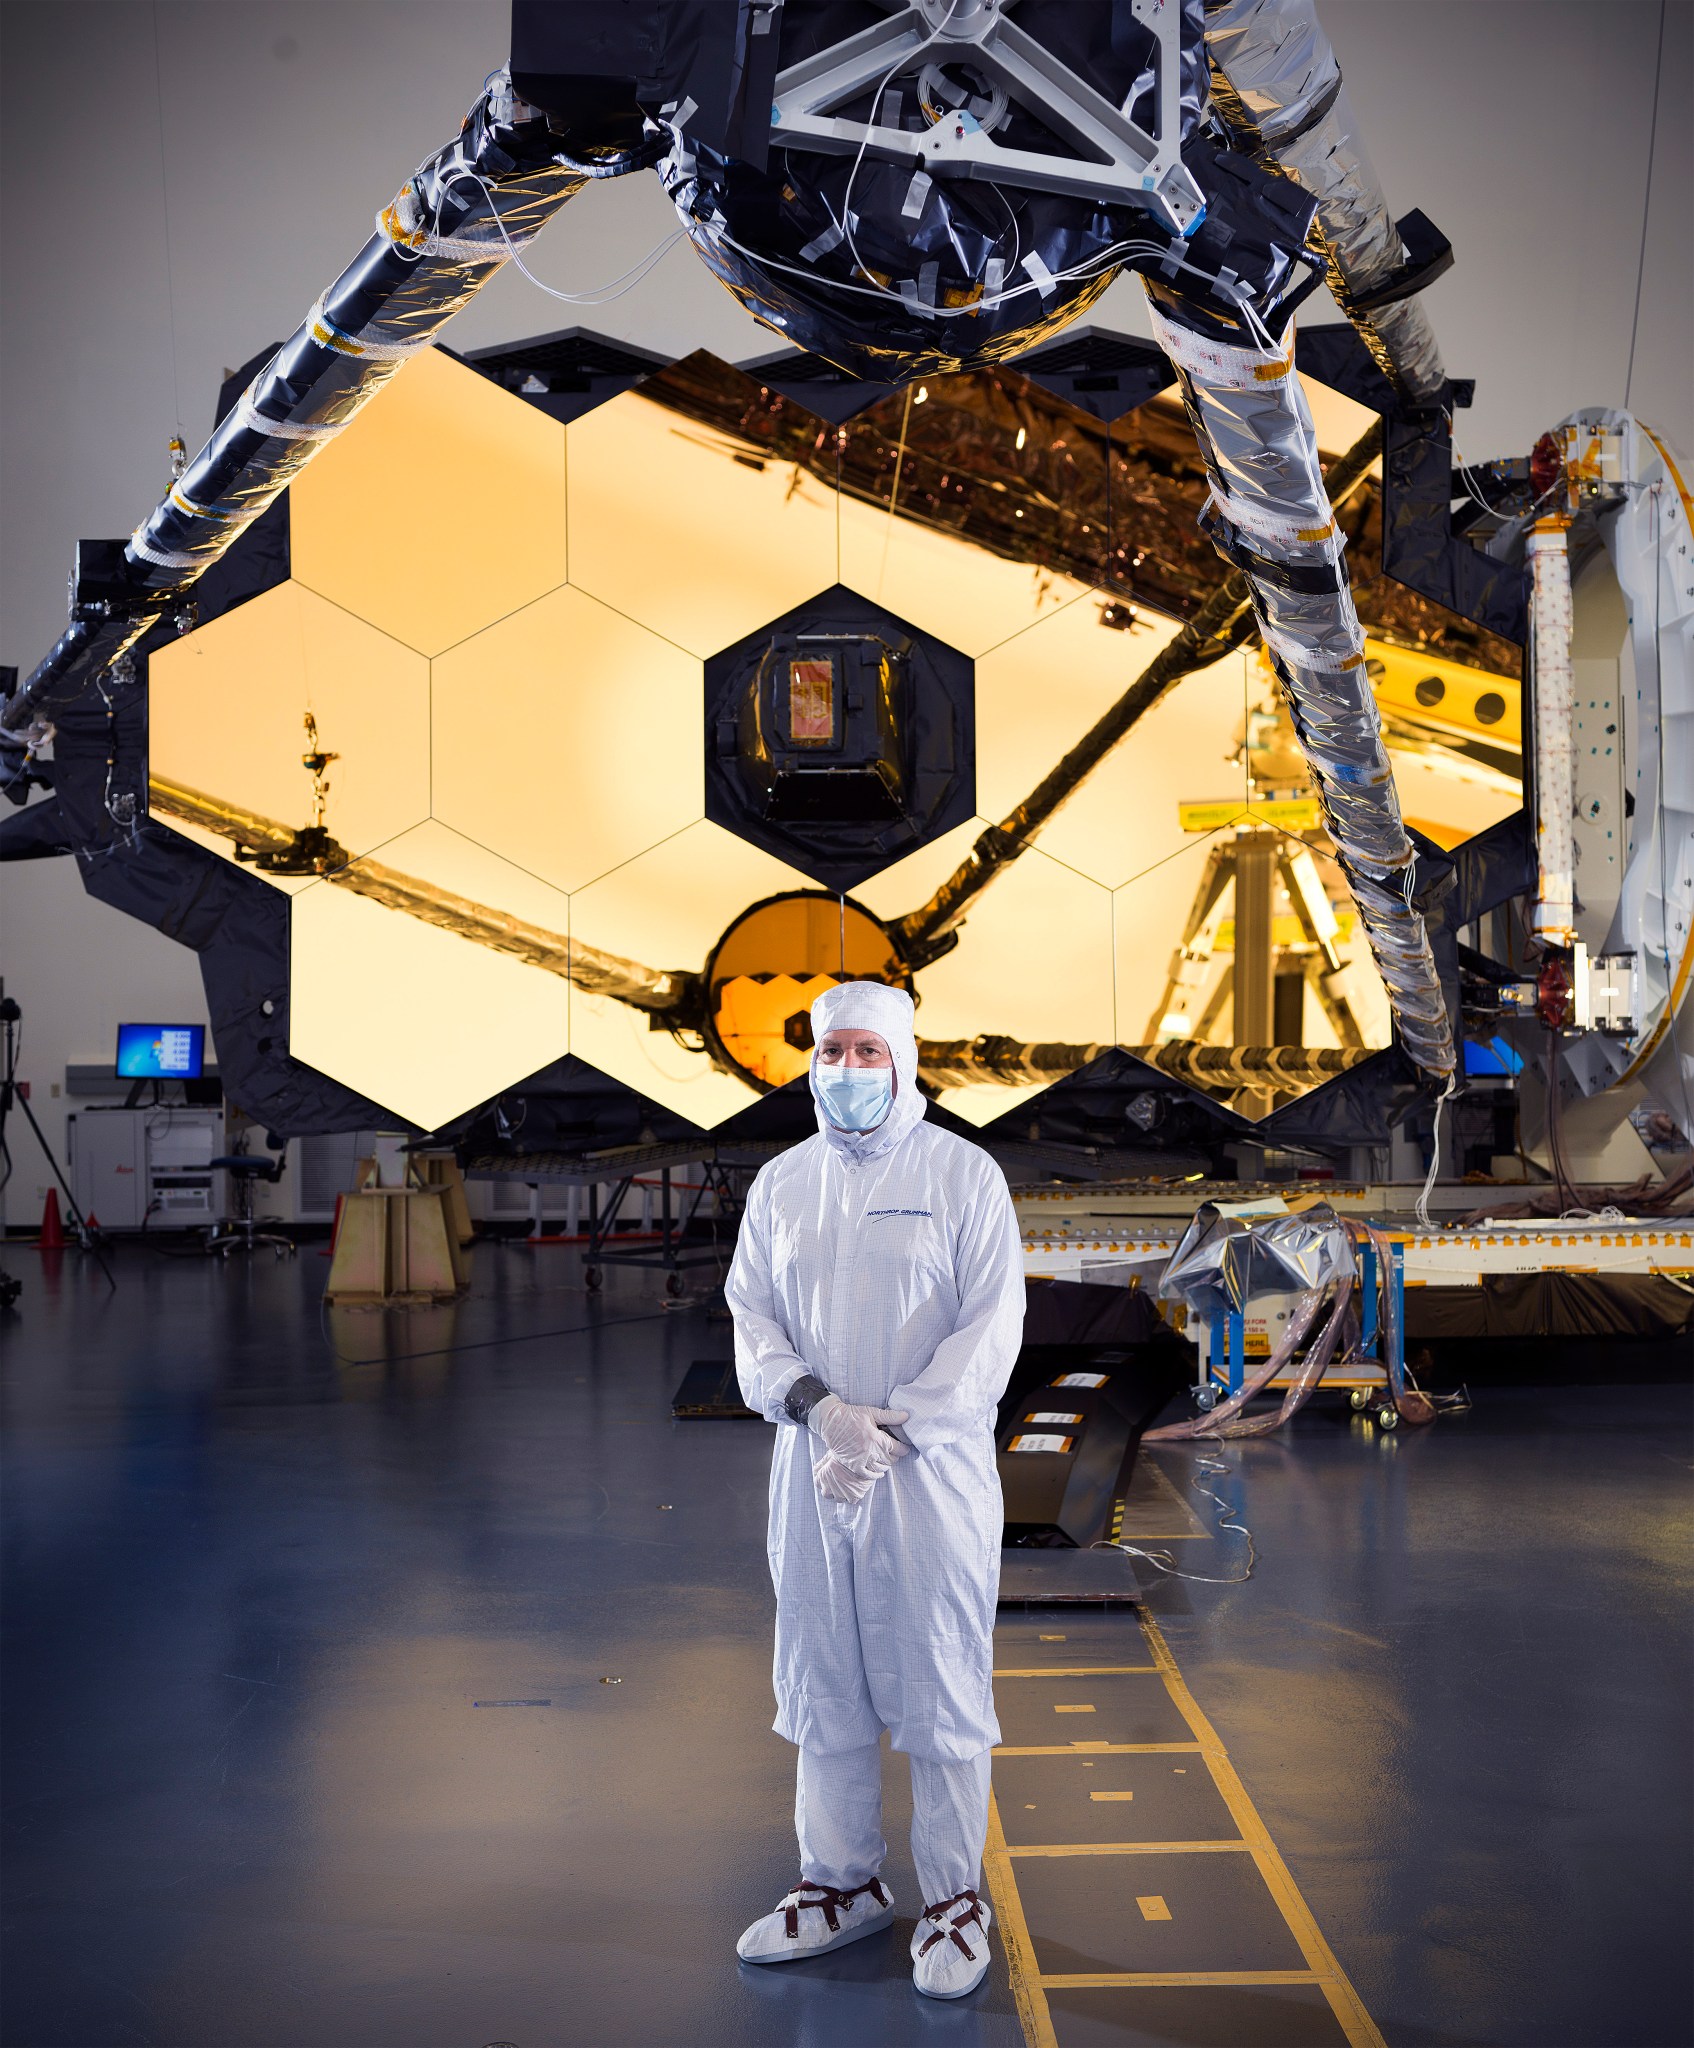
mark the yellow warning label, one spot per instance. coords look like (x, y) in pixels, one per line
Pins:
(1288, 813)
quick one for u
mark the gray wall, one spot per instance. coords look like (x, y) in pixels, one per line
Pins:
(142, 255)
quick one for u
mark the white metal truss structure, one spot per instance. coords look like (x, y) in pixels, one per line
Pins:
(1117, 163)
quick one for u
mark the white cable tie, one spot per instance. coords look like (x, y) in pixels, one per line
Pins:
(160, 558)
(888, 114)
(916, 193)
(492, 248)
(248, 415)
(1279, 528)
(1219, 362)
(325, 332)
(993, 276)
(1308, 654)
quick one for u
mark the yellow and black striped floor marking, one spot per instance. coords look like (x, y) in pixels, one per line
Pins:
(1030, 1987)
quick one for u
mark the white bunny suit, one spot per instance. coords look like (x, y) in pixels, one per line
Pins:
(889, 1266)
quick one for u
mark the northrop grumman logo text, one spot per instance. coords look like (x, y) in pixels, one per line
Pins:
(871, 1215)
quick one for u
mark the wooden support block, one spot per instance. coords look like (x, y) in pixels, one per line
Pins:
(441, 1170)
(397, 1244)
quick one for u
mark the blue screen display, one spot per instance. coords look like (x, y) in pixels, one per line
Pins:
(1493, 1057)
(161, 1052)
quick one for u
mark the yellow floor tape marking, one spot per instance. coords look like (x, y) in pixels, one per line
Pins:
(1103, 1749)
(1084, 1671)
(1074, 1710)
(1153, 1908)
(1111, 1795)
(1128, 1848)
(1149, 1980)
(1356, 2023)
(1031, 2000)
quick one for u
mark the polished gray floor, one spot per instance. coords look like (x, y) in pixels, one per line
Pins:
(271, 1576)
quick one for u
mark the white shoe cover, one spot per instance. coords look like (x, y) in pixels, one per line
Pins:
(813, 1918)
(950, 1947)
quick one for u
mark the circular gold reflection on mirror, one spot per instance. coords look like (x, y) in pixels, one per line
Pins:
(771, 966)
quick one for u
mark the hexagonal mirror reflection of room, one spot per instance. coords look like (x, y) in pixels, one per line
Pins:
(566, 738)
(688, 530)
(438, 510)
(430, 978)
(289, 735)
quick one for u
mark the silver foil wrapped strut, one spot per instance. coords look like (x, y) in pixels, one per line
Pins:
(450, 227)
(1270, 515)
(1278, 87)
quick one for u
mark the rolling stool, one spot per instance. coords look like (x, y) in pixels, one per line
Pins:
(243, 1232)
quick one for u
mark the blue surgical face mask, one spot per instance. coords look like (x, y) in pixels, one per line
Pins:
(855, 1098)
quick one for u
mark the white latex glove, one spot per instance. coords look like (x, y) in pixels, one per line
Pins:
(837, 1480)
(851, 1432)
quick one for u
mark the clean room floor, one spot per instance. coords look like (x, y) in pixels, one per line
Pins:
(275, 1578)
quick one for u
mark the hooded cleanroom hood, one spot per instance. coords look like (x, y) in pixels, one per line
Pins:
(872, 1006)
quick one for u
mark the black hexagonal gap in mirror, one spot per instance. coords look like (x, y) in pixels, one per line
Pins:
(840, 738)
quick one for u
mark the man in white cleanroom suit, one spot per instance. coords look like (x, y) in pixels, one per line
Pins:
(878, 1297)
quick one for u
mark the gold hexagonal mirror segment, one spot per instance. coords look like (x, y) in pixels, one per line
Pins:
(1037, 695)
(687, 531)
(290, 734)
(1025, 997)
(410, 986)
(567, 738)
(438, 510)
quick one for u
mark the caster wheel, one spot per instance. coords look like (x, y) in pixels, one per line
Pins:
(1388, 1418)
(673, 1284)
(1360, 1400)
(592, 1278)
(1205, 1399)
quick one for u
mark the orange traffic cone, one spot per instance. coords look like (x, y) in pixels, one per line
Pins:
(52, 1238)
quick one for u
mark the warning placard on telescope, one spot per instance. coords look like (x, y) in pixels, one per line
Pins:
(1054, 1420)
(1290, 813)
(1041, 1443)
(1079, 1379)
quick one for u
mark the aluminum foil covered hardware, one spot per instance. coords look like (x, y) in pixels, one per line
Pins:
(1270, 516)
(451, 226)
(1304, 1351)
(1223, 1261)
(1278, 88)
